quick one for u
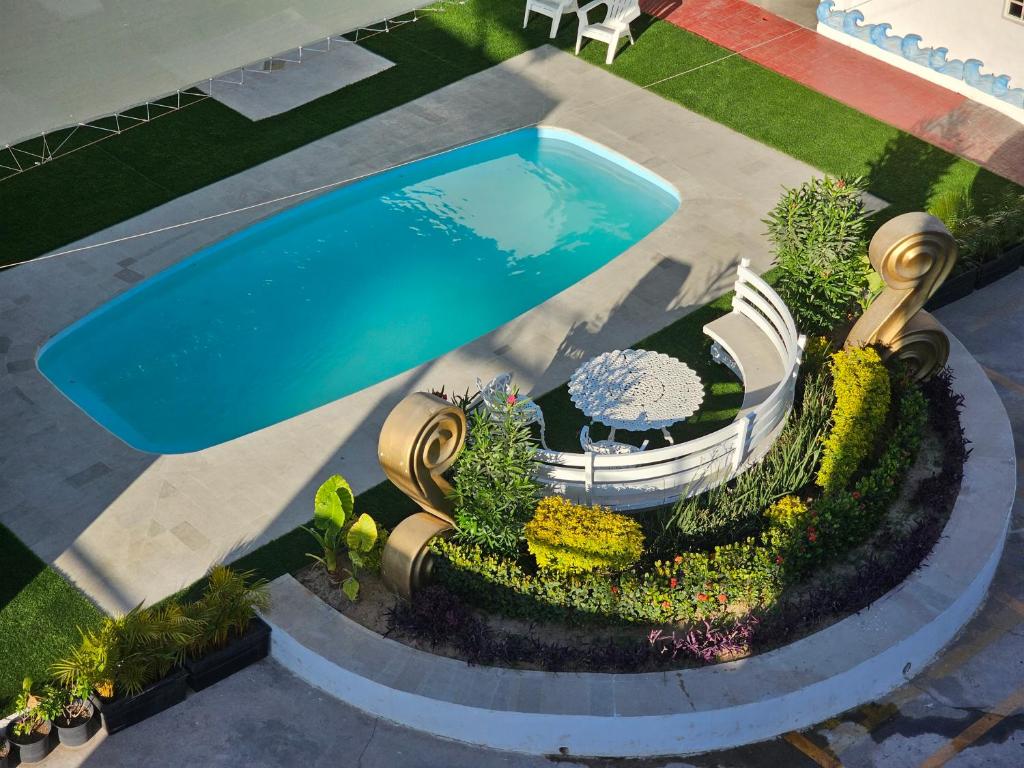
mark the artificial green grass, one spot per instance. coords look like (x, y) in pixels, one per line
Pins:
(39, 616)
(113, 180)
(103, 184)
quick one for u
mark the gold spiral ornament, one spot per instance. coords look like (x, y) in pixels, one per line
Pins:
(421, 438)
(914, 253)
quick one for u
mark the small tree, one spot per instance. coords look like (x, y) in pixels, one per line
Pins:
(817, 231)
(494, 490)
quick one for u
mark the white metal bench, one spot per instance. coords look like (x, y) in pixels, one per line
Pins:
(759, 341)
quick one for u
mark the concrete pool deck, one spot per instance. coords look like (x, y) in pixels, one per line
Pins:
(127, 526)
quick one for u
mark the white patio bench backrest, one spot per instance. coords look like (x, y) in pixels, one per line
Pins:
(759, 341)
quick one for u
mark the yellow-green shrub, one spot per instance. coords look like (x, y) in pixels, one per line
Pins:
(863, 392)
(576, 539)
(792, 535)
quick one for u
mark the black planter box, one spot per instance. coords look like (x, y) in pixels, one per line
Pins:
(1000, 266)
(249, 647)
(955, 287)
(122, 712)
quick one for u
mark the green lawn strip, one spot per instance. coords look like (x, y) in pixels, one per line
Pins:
(121, 177)
(40, 612)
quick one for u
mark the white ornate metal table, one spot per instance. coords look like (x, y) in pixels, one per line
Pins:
(636, 390)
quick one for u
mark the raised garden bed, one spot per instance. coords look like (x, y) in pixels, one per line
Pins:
(965, 281)
(245, 649)
(122, 712)
(456, 619)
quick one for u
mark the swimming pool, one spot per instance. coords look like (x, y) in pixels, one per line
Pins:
(352, 287)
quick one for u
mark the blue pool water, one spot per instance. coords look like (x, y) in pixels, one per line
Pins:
(352, 287)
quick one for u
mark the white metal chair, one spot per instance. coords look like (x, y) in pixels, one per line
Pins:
(613, 28)
(551, 8)
(494, 397)
(607, 446)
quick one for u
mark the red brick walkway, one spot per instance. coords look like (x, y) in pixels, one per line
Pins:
(939, 116)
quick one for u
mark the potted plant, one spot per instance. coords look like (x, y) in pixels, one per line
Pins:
(231, 636)
(132, 663)
(74, 719)
(30, 729)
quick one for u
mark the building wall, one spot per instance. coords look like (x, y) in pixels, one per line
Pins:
(970, 29)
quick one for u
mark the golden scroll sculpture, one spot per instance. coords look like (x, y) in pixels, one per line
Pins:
(420, 440)
(914, 254)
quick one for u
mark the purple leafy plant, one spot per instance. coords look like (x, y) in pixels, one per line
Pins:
(707, 643)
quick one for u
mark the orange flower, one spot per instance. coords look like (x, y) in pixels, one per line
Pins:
(666, 605)
(678, 559)
(615, 589)
(723, 599)
(673, 583)
(702, 597)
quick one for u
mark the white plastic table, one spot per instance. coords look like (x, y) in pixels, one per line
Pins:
(636, 390)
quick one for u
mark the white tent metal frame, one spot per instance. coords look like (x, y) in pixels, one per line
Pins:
(48, 146)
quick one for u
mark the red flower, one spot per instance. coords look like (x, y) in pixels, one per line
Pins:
(812, 536)
(702, 597)
(723, 599)
(673, 583)
(511, 400)
(666, 605)
(615, 590)
(855, 494)
(778, 559)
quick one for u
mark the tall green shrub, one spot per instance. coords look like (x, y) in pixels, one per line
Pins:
(817, 231)
(494, 491)
(863, 392)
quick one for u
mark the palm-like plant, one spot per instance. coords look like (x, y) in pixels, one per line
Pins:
(229, 602)
(129, 651)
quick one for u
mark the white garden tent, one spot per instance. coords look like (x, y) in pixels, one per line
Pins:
(66, 62)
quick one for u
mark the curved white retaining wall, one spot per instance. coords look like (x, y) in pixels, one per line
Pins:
(662, 475)
(856, 660)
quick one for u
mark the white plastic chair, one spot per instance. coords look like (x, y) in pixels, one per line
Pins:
(551, 8)
(613, 28)
(607, 446)
(494, 396)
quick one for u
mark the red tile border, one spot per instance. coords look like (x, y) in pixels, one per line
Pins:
(912, 104)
